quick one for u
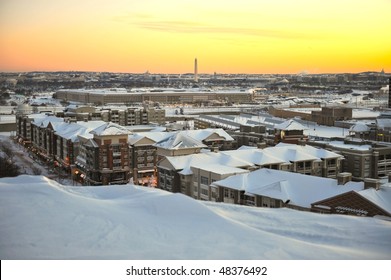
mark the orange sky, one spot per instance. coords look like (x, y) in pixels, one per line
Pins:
(246, 36)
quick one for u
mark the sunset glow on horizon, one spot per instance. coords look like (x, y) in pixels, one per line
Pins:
(248, 36)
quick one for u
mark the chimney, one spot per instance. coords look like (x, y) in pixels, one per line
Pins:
(261, 145)
(372, 183)
(343, 178)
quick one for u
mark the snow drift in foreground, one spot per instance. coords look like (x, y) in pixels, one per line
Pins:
(41, 219)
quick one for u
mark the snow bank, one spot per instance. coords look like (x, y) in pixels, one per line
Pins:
(41, 219)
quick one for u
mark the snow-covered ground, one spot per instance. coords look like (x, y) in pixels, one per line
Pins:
(41, 219)
(30, 165)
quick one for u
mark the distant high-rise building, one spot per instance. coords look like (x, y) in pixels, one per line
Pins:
(195, 70)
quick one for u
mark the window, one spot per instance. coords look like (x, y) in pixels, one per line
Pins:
(229, 193)
(204, 180)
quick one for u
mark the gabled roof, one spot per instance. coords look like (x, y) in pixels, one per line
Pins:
(244, 147)
(220, 169)
(313, 151)
(301, 190)
(255, 156)
(71, 131)
(202, 134)
(359, 127)
(290, 125)
(153, 136)
(43, 120)
(203, 159)
(368, 201)
(179, 141)
(91, 143)
(380, 197)
(292, 153)
(110, 129)
(91, 124)
(383, 123)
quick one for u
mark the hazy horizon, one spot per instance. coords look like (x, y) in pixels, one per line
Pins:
(227, 37)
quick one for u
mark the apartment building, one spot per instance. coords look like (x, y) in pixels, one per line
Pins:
(289, 131)
(202, 178)
(175, 173)
(179, 144)
(329, 115)
(275, 189)
(104, 159)
(143, 156)
(125, 116)
(122, 96)
(183, 173)
(364, 159)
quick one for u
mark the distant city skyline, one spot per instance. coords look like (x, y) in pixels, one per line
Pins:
(249, 36)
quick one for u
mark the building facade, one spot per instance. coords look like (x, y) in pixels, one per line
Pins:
(363, 159)
(121, 96)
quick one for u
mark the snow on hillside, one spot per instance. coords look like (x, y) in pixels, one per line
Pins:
(41, 219)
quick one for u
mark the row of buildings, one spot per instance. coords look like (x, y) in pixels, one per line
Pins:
(197, 162)
(364, 159)
(173, 96)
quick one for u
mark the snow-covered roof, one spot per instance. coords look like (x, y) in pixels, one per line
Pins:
(359, 127)
(255, 156)
(380, 197)
(202, 159)
(301, 190)
(341, 144)
(202, 134)
(178, 141)
(219, 169)
(110, 129)
(153, 136)
(316, 152)
(383, 123)
(290, 125)
(91, 124)
(186, 171)
(244, 147)
(280, 154)
(43, 120)
(71, 131)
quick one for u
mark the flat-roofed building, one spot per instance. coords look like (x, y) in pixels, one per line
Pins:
(122, 96)
(363, 159)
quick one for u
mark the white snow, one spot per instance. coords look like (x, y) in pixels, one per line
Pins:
(110, 129)
(341, 144)
(381, 197)
(41, 219)
(359, 127)
(290, 125)
(301, 190)
(180, 140)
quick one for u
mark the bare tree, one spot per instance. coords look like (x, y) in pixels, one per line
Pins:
(7, 150)
(8, 168)
(36, 170)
